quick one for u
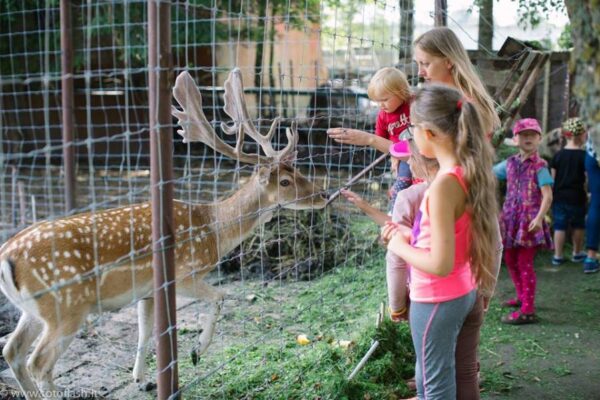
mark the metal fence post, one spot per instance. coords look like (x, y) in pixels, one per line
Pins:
(161, 171)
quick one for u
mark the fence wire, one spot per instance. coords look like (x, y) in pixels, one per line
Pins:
(307, 62)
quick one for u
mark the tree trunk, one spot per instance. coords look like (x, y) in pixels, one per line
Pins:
(585, 60)
(407, 27)
(486, 24)
(440, 11)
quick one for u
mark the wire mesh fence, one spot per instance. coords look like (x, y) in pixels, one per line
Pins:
(60, 264)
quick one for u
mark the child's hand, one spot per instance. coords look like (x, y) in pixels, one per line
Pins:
(350, 136)
(535, 225)
(388, 231)
(352, 197)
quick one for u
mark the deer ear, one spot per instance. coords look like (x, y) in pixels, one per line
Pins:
(290, 158)
(264, 174)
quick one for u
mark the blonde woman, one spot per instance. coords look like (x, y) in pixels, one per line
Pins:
(441, 58)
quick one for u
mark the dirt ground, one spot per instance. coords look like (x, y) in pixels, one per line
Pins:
(557, 358)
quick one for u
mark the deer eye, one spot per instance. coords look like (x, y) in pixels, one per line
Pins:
(285, 182)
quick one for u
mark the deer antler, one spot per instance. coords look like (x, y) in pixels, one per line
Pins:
(197, 128)
(235, 107)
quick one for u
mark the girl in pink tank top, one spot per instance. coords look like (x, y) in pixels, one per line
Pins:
(446, 265)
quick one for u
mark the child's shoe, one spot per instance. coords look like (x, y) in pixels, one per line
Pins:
(591, 265)
(518, 318)
(556, 261)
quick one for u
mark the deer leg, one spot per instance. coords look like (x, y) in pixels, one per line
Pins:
(145, 309)
(53, 343)
(197, 288)
(15, 353)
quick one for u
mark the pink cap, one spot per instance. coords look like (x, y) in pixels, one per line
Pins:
(526, 124)
(400, 149)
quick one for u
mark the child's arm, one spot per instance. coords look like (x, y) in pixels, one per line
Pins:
(536, 223)
(445, 199)
(359, 138)
(379, 217)
(500, 170)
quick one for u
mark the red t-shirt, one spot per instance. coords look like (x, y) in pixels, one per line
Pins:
(390, 125)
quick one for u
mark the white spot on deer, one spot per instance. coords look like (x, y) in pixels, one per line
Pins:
(56, 272)
(77, 253)
(205, 251)
(67, 254)
(56, 253)
(68, 234)
(43, 259)
(29, 244)
(88, 240)
(45, 276)
(33, 259)
(181, 227)
(197, 239)
(88, 256)
(126, 229)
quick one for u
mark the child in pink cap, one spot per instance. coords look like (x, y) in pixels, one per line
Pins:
(524, 230)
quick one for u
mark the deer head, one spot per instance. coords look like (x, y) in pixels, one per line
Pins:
(280, 182)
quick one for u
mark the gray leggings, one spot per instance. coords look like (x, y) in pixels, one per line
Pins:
(434, 328)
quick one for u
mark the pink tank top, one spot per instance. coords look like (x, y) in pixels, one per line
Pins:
(429, 288)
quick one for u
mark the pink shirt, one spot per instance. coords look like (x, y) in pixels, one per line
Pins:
(391, 125)
(429, 288)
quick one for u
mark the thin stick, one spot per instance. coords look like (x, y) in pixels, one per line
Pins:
(364, 360)
(356, 178)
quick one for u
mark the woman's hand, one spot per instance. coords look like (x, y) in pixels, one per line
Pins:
(350, 136)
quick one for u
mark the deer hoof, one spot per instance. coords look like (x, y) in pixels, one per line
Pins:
(147, 386)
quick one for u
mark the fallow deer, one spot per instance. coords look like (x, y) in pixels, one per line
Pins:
(58, 272)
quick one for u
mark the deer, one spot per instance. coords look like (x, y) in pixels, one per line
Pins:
(57, 272)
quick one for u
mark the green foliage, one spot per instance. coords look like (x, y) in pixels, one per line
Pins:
(565, 40)
(532, 12)
(31, 31)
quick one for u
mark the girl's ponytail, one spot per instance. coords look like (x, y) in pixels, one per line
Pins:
(477, 156)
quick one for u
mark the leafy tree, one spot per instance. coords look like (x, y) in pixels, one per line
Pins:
(531, 12)
(585, 61)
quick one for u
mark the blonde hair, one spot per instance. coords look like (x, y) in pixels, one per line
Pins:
(389, 80)
(443, 110)
(442, 42)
